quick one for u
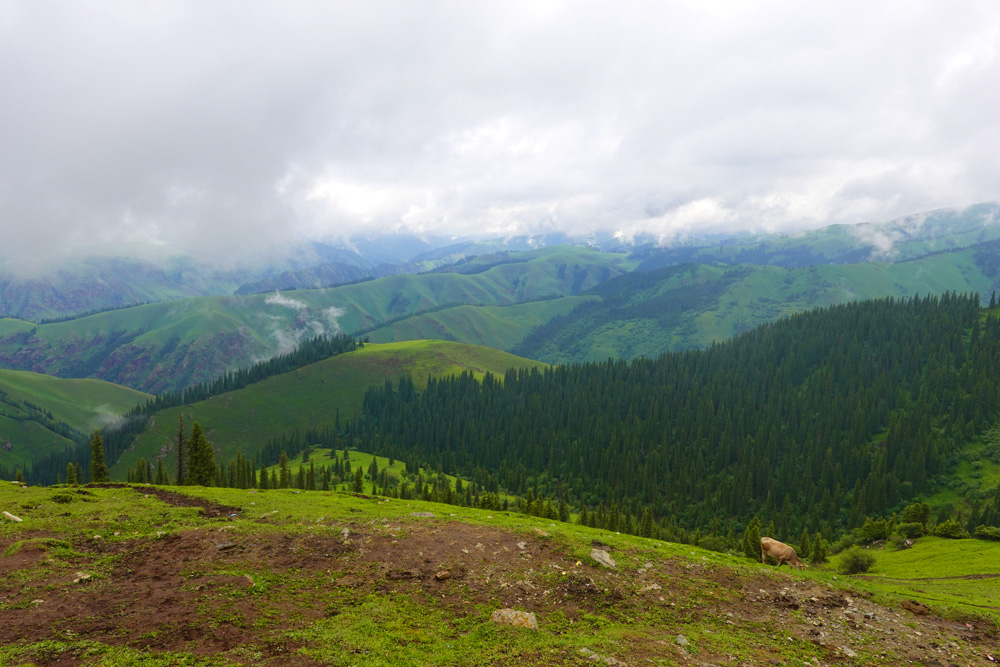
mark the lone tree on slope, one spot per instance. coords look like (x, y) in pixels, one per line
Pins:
(99, 473)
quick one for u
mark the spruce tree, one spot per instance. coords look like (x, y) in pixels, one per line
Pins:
(359, 481)
(71, 474)
(201, 464)
(284, 474)
(819, 550)
(805, 546)
(751, 539)
(646, 523)
(180, 451)
(161, 473)
(99, 473)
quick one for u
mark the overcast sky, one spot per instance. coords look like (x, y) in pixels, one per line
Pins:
(222, 127)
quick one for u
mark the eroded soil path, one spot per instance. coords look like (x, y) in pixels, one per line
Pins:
(214, 588)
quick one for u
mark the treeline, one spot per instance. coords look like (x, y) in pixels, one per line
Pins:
(47, 470)
(23, 410)
(308, 352)
(93, 311)
(819, 420)
(619, 302)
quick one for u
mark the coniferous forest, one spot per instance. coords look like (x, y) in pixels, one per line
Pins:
(818, 420)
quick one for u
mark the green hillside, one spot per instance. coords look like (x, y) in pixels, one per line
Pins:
(41, 413)
(167, 346)
(690, 306)
(501, 327)
(902, 239)
(199, 576)
(311, 397)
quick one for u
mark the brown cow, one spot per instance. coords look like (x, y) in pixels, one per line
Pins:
(780, 551)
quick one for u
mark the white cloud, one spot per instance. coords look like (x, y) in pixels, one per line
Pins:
(232, 128)
(281, 300)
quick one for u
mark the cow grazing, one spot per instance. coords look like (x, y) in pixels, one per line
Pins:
(779, 551)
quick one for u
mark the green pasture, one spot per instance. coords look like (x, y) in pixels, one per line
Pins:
(949, 576)
(83, 404)
(311, 397)
(500, 327)
(404, 629)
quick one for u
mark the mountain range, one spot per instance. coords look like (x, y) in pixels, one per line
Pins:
(433, 310)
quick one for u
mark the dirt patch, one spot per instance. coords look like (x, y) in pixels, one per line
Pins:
(212, 589)
(208, 508)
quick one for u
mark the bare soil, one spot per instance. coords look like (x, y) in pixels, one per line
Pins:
(184, 592)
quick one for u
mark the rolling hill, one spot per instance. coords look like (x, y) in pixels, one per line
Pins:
(902, 239)
(199, 576)
(40, 413)
(167, 346)
(691, 306)
(312, 397)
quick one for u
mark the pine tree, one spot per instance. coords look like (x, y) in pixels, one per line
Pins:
(751, 539)
(180, 451)
(646, 523)
(359, 481)
(161, 473)
(99, 473)
(71, 474)
(284, 474)
(805, 546)
(201, 464)
(819, 550)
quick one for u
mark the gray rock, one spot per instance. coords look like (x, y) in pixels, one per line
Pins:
(681, 640)
(423, 514)
(603, 557)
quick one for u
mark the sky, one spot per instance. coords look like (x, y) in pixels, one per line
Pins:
(227, 129)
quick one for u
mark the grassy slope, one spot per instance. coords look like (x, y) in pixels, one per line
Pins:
(957, 575)
(277, 581)
(165, 345)
(83, 404)
(692, 306)
(311, 397)
(905, 238)
(501, 327)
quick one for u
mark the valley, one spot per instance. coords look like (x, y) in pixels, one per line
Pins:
(684, 401)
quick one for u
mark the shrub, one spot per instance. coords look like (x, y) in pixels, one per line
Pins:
(988, 533)
(951, 529)
(910, 530)
(875, 529)
(856, 561)
(846, 541)
(916, 513)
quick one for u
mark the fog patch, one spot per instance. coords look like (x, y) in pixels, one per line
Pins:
(106, 418)
(308, 323)
(280, 300)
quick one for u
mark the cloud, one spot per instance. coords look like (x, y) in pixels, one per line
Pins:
(308, 323)
(230, 130)
(280, 300)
